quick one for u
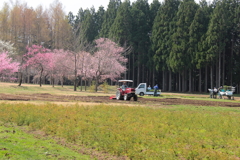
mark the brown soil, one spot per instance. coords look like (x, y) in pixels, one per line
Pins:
(155, 102)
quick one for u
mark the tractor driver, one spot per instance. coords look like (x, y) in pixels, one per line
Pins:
(124, 86)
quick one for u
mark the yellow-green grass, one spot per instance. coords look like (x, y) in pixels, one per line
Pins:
(17, 145)
(137, 132)
(13, 88)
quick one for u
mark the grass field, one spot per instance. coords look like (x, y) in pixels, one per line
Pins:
(13, 88)
(174, 132)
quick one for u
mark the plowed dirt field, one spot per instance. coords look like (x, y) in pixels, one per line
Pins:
(155, 102)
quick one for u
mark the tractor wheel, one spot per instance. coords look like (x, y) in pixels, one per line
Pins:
(135, 97)
(141, 94)
(125, 97)
(118, 95)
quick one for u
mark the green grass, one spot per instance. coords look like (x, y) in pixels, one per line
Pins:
(13, 88)
(202, 108)
(177, 132)
(17, 145)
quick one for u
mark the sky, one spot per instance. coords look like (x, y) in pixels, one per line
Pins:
(69, 5)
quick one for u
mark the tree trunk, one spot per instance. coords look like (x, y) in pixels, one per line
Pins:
(138, 74)
(163, 80)
(20, 78)
(183, 82)
(211, 76)
(75, 72)
(231, 62)
(53, 81)
(143, 74)
(206, 80)
(133, 71)
(190, 81)
(170, 81)
(40, 78)
(153, 76)
(223, 69)
(62, 81)
(81, 82)
(219, 70)
(179, 82)
(129, 66)
(96, 85)
(200, 81)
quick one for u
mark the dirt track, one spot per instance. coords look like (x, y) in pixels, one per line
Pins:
(105, 99)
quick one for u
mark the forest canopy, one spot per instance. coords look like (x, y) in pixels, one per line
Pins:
(179, 44)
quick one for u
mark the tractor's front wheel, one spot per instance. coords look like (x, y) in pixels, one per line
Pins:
(118, 95)
(125, 97)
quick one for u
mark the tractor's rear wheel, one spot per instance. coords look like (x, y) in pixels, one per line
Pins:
(135, 97)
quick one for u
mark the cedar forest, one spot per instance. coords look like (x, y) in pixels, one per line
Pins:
(180, 45)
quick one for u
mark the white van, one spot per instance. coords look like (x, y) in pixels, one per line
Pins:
(142, 90)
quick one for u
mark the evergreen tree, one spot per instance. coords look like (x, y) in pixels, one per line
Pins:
(109, 17)
(140, 35)
(88, 30)
(121, 28)
(217, 37)
(99, 19)
(198, 30)
(154, 7)
(153, 10)
(180, 57)
(163, 28)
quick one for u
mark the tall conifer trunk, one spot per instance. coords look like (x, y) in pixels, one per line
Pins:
(223, 69)
(170, 81)
(163, 80)
(211, 76)
(231, 62)
(153, 76)
(200, 81)
(133, 70)
(206, 80)
(190, 80)
(219, 71)
(179, 82)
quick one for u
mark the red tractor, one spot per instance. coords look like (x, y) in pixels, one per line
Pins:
(124, 92)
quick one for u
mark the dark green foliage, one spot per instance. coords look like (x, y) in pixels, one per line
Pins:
(170, 36)
(197, 33)
(109, 17)
(99, 18)
(163, 28)
(180, 55)
(121, 28)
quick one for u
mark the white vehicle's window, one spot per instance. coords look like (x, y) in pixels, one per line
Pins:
(142, 86)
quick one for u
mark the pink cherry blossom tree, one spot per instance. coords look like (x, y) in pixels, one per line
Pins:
(7, 66)
(39, 58)
(62, 67)
(108, 61)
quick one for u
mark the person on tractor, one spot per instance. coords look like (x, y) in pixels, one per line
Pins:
(124, 86)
